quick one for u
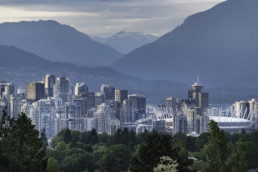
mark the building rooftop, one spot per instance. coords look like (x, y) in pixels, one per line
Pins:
(227, 119)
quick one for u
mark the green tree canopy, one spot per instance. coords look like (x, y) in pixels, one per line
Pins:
(116, 158)
(78, 162)
(216, 149)
(237, 160)
(52, 165)
(44, 138)
(20, 145)
(148, 154)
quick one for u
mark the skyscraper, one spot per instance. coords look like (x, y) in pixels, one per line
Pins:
(43, 114)
(80, 88)
(63, 89)
(140, 105)
(128, 112)
(6, 89)
(89, 100)
(201, 98)
(109, 90)
(105, 121)
(241, 109)
(171, 104)
(35, 91)
(121, 95)
(100, 97)
(49, 82)
(72, 112)
(253, 105)
(16, 103)
(196, 122)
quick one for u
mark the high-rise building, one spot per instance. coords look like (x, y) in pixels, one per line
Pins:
(3, 103)
(20, 91)
(126, 112)
(72, 113)
(15, 104)
(140, 105)
(49, 82)
(42, 114)
(121, 95)
(61, 121)
(171, 104)
(159, 126)
(35, 91)
(89, 99)
(87, 124)
(63, 89)
(180, 124)
(254, 113)
(201, 98)
(253, 108)
(104, 120)
(80, 88)
(100, 97)
(25, 108)
(196, 122)
(6, 89)
(82, 103)
(129, 111)
(109, 90)
(102, 115)
(241, 109)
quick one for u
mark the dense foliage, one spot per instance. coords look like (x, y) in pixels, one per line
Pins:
(22, 148)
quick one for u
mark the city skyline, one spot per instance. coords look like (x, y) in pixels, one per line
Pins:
(110, 85)
(110, 109)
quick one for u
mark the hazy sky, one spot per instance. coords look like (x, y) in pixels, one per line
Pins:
(105, 17)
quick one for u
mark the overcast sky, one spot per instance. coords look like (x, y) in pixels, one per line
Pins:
(106, 17)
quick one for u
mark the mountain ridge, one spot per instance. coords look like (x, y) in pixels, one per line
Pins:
(126, 42)
(56, 42)
(217, 43)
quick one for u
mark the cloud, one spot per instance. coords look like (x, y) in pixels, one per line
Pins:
(95, 17)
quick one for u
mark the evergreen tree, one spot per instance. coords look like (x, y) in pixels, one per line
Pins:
(44, 138)
(116, 158)
(237, 160)
(93, 137)
(148, 154)
(20, 145)
(181, 155)
(216, 149)
(67, 136)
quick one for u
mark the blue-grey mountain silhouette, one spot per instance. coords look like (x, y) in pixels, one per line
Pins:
(57, 42)
(219, 43)
(126, 42)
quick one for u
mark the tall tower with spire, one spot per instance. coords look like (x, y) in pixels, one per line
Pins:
(201, 98)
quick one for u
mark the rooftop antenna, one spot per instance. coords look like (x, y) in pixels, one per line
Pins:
(197, 78)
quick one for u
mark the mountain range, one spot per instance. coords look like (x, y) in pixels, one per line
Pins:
(126, 42)
(56, 42)
(219, 44)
